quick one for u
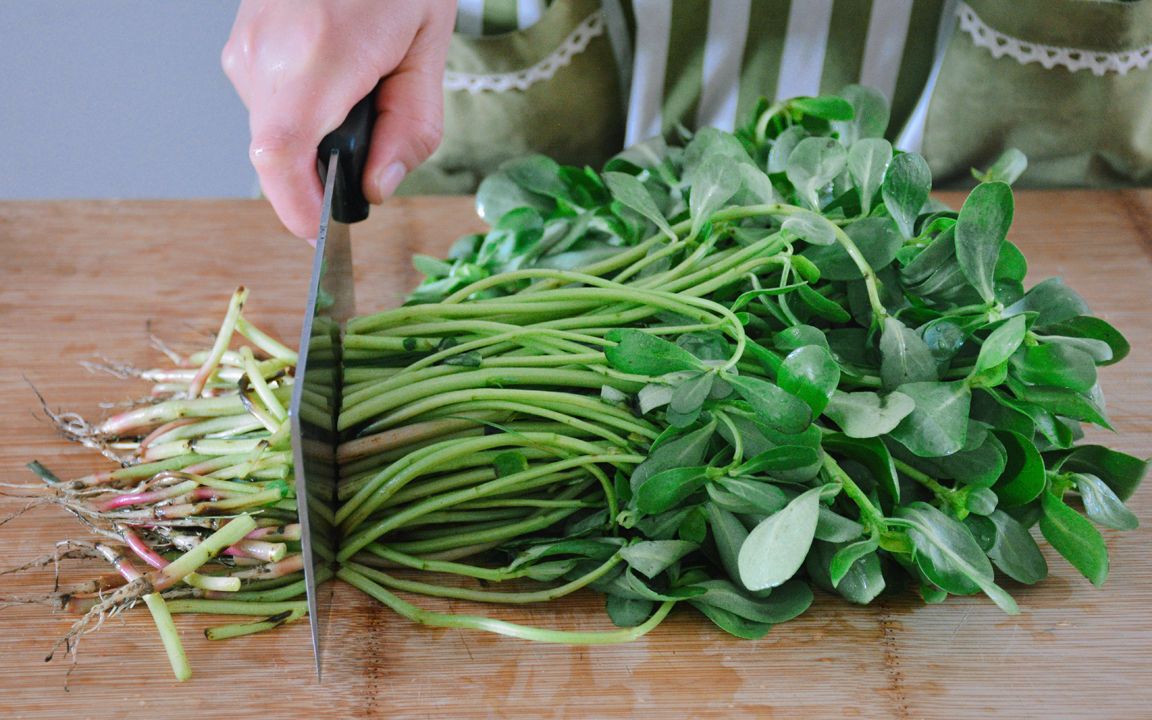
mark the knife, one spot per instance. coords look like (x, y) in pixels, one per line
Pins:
(316, 392)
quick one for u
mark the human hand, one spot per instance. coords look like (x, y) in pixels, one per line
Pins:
(300, 65)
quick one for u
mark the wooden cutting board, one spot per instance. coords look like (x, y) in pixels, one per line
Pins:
(80, 280)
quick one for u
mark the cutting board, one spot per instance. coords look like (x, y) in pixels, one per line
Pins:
(89, 279)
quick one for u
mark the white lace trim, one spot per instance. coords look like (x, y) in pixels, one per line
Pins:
(1050, 56)
(576, 43)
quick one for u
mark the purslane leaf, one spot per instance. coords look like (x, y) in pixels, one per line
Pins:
(775, 549)
(981, 228)
(906, 188)
(1075, 538)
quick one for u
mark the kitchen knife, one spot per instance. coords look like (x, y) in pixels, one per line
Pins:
(315, 404)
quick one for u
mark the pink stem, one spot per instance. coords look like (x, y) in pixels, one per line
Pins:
(142, 550)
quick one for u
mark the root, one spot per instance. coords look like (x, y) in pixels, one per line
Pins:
(120, 370)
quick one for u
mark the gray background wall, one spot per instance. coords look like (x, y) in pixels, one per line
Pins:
(119, 99)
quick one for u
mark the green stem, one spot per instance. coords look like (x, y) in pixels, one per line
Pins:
(352, 574)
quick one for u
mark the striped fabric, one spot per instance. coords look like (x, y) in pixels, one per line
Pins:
(729, 53)
(495, 17)
(707, 62)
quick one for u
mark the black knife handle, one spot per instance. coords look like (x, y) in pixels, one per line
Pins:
(352, 138)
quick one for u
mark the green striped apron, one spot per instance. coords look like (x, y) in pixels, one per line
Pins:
(1066, 81)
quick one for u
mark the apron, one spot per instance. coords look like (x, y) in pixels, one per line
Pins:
(1065, 81)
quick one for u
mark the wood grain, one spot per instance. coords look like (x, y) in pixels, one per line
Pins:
(79, 280)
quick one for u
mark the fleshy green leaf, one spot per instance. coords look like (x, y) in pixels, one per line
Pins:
(939, 424)
(632, 193)
(652, 557)
(814, 163)
(810, 374)
(641, 353)
(904, 357)
(826, 107)
(1101, 505)
(1075, 538)
(875, 237)
(773, 406)
(1015, 552)
(668, 488)
(949, 556)
(980, 230)
(868, 160)
(846, 556)
(866, 414)
(712, 185)
(906, 188)
(810, 227)
(775, 549)
(1000, 344)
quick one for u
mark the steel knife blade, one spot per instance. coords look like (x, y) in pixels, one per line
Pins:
(316, 393)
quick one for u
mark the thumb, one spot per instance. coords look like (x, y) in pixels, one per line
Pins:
(410, 106)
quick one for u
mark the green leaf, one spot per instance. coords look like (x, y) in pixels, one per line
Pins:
(668, 488)
(905, 190)
(871, 453)
(826, 107)
(810, 227)
(861, 583)
(652, 557)
(682, 450)
(948, 555)
(1023, 478)
(756, 187)
(732, 623)
(747, 297)
(904, 357)
(1008, 167)
(1068, 403)
(781, 605)
(1101, 505)
(939, 424)
(689, 396)
(980, 500)
(1011, 265)
(868, 160)
(628, 612)
(729, 535)
(1120, 471)
(822, 306)
(631, 193)
(1015, 552)
(810, 374)
(833, 527)
(777, 459)
(847, 556)
(712, 185)
(746, 496)
(1088, 327)
(870, 114)
(775, 549)
(1052, 300)
(783, 146)
(1000, 344)
(773, 406)
(640, 353)
(798, 336)
(813, 164)
(1056, 364)
(1075, 538)
(866, 414)
(875, 237)
(981, 228)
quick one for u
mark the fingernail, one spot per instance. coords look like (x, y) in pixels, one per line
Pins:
(390, 177)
